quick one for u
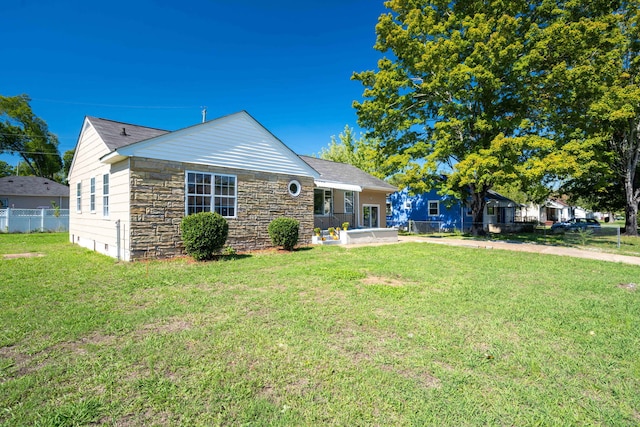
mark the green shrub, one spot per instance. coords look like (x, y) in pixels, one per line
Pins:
(284, 232)
(204, 234)
(345, 226)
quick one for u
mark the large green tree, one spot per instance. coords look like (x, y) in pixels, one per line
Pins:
(363, 153)
(453, 96)
(598, 85)
(23, 133)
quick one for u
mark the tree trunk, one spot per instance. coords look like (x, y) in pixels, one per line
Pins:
(631, 220)
(630, 209)
(477, 212)
(632, 197)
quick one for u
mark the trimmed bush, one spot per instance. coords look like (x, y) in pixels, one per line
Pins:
(284, 232)
(204, 234)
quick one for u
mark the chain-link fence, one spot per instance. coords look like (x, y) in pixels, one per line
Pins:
(605, 236)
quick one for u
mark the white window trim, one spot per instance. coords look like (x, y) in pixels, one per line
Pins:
(105, 196)
(371, 205)
(79, 196)
(92, 194)
(213, 191)
(323, 199)
(353, 201)
(297, 184)
(437, 202)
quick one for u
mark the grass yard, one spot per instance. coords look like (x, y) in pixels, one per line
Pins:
(406, 334)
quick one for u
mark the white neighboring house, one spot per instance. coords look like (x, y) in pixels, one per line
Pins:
(551, 211)
(130, 186)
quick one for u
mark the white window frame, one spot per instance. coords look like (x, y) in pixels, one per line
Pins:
(294, 187)
(92, 195)
(105, 194)
(211, 206)
(437, 202)
(378, 219)
(79, 196)
(352, 200)
(324, 201)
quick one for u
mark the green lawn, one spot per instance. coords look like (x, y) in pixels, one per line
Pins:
(406, 334)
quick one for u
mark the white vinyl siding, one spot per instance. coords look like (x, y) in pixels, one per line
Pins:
(208, 192)
(98, 232)
(240, 143)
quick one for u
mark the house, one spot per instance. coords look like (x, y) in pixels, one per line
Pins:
(431, 212)
(344, 193)
(32, 192)
(132, 185)
(552, 210)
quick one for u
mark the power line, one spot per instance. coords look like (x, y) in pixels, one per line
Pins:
(154, 107)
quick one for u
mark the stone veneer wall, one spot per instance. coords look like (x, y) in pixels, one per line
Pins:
(157, 200)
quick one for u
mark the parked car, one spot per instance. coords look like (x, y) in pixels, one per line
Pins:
(575, 224)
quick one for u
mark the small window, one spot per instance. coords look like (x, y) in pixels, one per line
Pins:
(294, 187)
(79, 197)
(348, 202)
(491, 210)
(434, 208)
(92, 195)
(105, 194)
(389, 209)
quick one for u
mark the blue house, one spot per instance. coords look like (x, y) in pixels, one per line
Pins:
(432, 212)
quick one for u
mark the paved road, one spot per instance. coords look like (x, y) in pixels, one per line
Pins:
(525, 247)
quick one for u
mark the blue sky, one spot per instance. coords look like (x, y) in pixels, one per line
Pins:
(156, 63)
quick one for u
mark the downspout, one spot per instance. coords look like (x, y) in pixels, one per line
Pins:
(118, 239)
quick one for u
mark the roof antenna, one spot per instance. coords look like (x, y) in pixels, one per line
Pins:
(204, 114)
(124, 132)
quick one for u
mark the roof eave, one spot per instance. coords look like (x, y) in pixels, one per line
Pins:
(113, 157)
(385, 189)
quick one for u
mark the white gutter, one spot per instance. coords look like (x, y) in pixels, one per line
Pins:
(337, 186)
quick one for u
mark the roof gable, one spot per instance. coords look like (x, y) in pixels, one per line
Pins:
(344, 173)
(235, 141)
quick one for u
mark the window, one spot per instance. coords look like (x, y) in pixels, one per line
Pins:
(294, 188)
(79, 197)
(434, 208)
(322, 202)
(225, 192)
(389, 208)
(105, 194)
(491, 210)
(348, 202)
(208, 192)
(92, 195)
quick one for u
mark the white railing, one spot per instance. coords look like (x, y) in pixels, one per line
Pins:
(30, 220)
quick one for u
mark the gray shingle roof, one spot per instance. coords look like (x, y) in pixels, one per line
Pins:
(32, 186)
(344, 173)
(111, 132)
